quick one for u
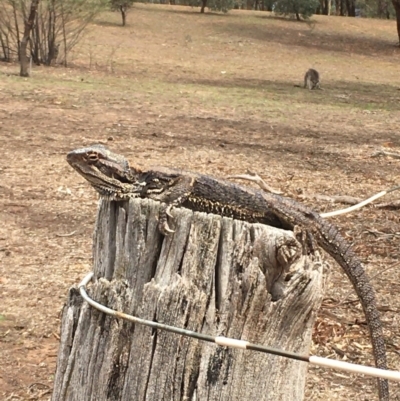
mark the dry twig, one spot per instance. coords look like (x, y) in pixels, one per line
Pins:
(66, 235)
(257, 179)
(263, 185)
(385, 153)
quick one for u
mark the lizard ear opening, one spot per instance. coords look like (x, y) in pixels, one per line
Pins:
(126, 165)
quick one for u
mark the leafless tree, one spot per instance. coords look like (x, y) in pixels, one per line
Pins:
(28, 25)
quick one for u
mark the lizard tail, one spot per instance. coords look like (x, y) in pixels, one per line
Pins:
(341, 251)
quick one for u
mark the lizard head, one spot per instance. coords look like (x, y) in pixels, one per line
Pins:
(108, 173)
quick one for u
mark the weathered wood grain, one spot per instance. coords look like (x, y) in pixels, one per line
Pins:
(213, 275)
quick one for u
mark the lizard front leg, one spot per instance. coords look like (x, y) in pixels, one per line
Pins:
(172, 193)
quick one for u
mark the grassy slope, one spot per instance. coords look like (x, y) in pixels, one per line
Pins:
(214, 93)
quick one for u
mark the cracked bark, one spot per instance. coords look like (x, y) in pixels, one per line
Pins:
(213, 275)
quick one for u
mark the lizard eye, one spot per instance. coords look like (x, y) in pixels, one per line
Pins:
(92, 157)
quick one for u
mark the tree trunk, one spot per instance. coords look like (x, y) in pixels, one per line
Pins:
(203, 6)
(342, 7)
(380, 8)
(325, 6)
(5, 47)
(337, 7)
(213, 275)
(351, 8)
(123, 14)
(23, 58)
(328, 7)
(35, 52)
(396, 5)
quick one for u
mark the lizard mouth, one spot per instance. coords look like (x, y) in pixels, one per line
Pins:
(114, 174)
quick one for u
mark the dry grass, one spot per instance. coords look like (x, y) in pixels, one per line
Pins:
(213, 93)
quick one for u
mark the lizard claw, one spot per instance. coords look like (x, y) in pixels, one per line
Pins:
(167, 229)
(168, 212)
(306, 239)
(164, 228)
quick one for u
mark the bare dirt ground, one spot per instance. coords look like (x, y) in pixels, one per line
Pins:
(213, 93)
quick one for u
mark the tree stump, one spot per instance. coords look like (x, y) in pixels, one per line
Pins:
(214, 275)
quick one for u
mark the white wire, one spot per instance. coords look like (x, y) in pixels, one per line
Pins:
(354, 207)
(230, 342)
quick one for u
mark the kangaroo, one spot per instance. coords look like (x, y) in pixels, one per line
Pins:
(311, 79)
